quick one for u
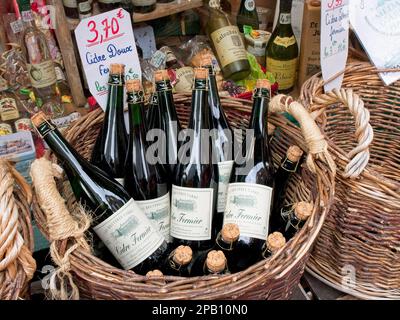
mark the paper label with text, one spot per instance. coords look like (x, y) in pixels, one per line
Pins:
(224, 170)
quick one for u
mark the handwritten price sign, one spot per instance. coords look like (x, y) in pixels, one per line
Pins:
(104, 39)
(334, 41)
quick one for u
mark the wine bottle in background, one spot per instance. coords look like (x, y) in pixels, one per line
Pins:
(107, 5)
(85, 9)
(293, 217)
(71, 8)
(179, 262)
(144, 6)
(195, 184)
(282, 50)
(167, 121)
(288, 166)
(227, 43)
(247, 15)
(117, 220)
(127, 5)
(274, 242)
(113, 137)
(250, 191)
(143, 180)
(216, 263)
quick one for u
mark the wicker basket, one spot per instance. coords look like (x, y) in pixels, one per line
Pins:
(275, 278)
(358, 250)
(16, 236)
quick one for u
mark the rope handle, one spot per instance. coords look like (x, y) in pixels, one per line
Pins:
(360, 155)
(315, 141)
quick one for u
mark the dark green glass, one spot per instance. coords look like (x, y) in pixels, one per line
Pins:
(144, 7)
(151, 112)
(247, 15)
(108, 5)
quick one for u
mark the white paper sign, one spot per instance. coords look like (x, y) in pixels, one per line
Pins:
(104, 39)
(334, 40)
(297, 17)
(146, 40)
(377, 25)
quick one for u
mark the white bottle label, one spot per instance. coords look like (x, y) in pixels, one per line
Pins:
(159, 212)
(248, 205)
(42, 74)
(85, 6)
(224, 170)
(285, 18)
(191, 213)
(70, 3)
(250, 5)
(129, 235)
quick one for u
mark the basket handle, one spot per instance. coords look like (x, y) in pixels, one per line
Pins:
(359, 156)
(316, 143)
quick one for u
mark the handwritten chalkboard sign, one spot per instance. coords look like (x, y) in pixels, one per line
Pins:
(104, 39)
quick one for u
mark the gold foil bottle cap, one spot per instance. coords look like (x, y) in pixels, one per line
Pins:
(216, 261)
(263, 84)
(303, 210)
(183, 255)
(117, 68)
(133, 85)
(39, 118)
(154, 274)
(161, 75)
(275, 241)
(230, 232)
(201, 73)
(294, 153)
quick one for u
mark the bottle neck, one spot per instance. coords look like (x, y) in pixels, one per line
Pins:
(213, 95)
(224, 245)
(200, 117)
(285, 9)
(165, 98)
(115, 104)
(136, 123)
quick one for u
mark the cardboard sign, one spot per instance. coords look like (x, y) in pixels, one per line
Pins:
(376, 24)
(334, 40)
(104, 39)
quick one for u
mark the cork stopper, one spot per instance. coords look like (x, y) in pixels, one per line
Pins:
(117, 68)
(39, 118)
(271, 129)
(263, 84)
(161, 75)
(275, 241)
(133, 85)
(230, 232)
(303, 210)
(294, 153)
(200, 73)
(216, 261)
(154, 274)
(183, 255)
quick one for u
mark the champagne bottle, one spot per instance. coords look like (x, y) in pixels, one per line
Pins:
(216, 263)
(227, 241)
(288, 166)
(85, 9)
(118, 221)
(282, 51)
(293, 217)
(179, 262)
(71, 9)
(274, 242)
(227, 43)
(114, 140)
(247, 15)
(144, 6)
(251, 186)
(195, 184)
(143, 180)
(152, 112)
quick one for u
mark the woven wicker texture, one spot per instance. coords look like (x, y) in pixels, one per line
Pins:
(358, 250)
(275, 278)
(16, 236)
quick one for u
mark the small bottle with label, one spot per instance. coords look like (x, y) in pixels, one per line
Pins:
(274, 242)
(85, 9)
(179, 262)
(247, 15)
(71, 8)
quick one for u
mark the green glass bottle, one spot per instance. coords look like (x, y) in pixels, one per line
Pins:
(117, 220)
(247, 15)
(143, 180)
(282, 51)
(227, 43)
(249, 198)
(111, 152)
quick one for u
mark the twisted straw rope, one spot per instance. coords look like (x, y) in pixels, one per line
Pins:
(61, 226)
(13, 251)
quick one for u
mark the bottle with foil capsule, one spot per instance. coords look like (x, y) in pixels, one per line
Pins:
(143, 180)
(249, 198)
(274, 242)
(71, 8)
(117, 220)
(113, 139)
(247, 15)
(216, 263)
(293, 217)
(179, 262)
(85, 8)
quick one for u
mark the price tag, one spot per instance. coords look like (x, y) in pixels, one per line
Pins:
(334, 40)
(376, 23)
(17, 26)
(104, 39)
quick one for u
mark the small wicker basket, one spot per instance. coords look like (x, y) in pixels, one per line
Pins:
(358, 250)
(84, 276)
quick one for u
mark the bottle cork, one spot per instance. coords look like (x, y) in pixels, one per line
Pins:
(230, 232)
(200, 73)
(161, 75)
(183, 255)
(39, 118)
(303, 210)
(294, 153)
(216, 261)
(206, 59)
(263, 84)
(117, 68)
(275, 241)
(133, 85)
(154, 274)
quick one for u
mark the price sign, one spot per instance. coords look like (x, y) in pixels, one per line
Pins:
(376, 24)
(334, 41)
(104, 39)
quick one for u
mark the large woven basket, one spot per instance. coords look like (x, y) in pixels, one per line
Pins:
(358, 250)
(16, 236)
(275, 278)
